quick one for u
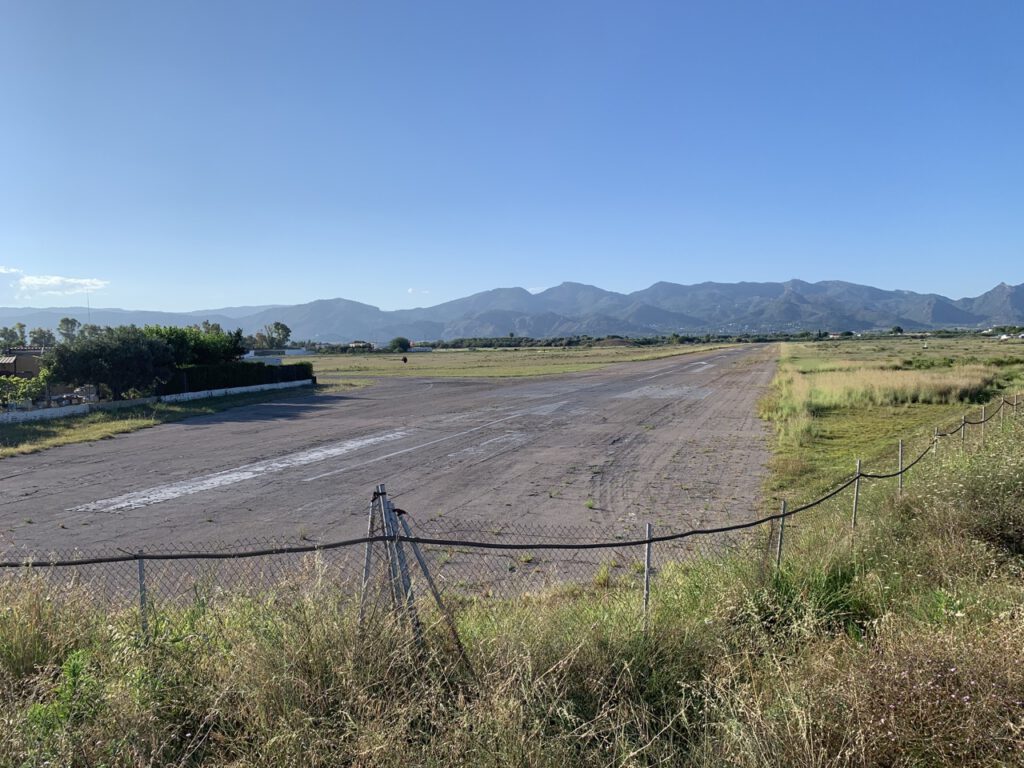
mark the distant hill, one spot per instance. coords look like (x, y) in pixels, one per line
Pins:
(575, 308)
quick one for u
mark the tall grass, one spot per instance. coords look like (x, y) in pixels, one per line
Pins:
(898, 645)
(815, 392)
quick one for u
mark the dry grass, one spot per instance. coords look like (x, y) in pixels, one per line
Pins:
(850, 388)
(34, 436)
(492, 363)
(903, 645)
(900, 644)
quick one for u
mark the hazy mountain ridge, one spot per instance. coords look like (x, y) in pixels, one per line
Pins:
(575, 308)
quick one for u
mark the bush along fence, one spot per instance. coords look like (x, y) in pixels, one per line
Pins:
(427, 570)
(199, 378)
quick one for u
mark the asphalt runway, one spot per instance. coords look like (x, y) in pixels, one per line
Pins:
(674, 441)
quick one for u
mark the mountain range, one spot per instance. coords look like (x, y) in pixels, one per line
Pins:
(573, 309)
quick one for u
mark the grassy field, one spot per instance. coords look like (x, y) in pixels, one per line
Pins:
(899, 643)
(902, 645)
(34, 436)
(491, 363)
(834, 402)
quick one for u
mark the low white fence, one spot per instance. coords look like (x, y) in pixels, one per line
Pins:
(44, 414)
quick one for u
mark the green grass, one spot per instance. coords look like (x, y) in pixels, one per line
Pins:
(34, 436)
(492, 363)
(900, 643)
(835, 402)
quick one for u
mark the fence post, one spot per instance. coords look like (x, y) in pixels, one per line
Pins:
(899, 477)
(782, 533)
(647, 575)
(367, 559)
(143, 618)
(856, 494)
(935, 442)
(983, 425)
(963, 431)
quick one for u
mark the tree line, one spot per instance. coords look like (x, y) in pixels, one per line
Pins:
(272, 336)
(128, 361)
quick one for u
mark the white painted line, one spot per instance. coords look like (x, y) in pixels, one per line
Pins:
(645, 378)
(541, 411)
(681, 369)
(209, 482)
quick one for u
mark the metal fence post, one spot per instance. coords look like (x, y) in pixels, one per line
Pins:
(963, 431)
(935, 442)
(647, 575)
(983, 425)
(856, 494)
(367, 558)
(782, 533)
(143, 618)
(899, 477)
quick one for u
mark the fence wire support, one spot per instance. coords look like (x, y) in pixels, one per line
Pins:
(899, 486)
(647, 574)
(782, 533)
(856, 495)
(399, 565)
(445, 613)
(143, 617)
(371, 525)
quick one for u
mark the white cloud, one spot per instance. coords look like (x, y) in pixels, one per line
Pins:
(413, 291)
(55, 285)
(9, 270)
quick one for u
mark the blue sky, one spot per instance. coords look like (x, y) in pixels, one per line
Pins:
(188, 155)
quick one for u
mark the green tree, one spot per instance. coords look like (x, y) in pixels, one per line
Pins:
(42, 337)
(124, 359)
(277, 334)
(15, 388)
(399, 344)
(68, 328)
(897, 330)
(194, 346)
(8, 337)
(19, 328)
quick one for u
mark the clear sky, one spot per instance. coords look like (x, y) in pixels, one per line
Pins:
(196, 154)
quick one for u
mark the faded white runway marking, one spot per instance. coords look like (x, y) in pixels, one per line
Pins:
(655, 392)
(682, 369)
(209, 482)
(544, 410)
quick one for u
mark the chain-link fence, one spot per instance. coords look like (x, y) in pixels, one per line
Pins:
(404, 561)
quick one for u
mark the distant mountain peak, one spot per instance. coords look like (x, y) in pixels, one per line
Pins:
(573, 308)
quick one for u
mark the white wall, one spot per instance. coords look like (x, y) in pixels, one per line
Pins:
(44, 414)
